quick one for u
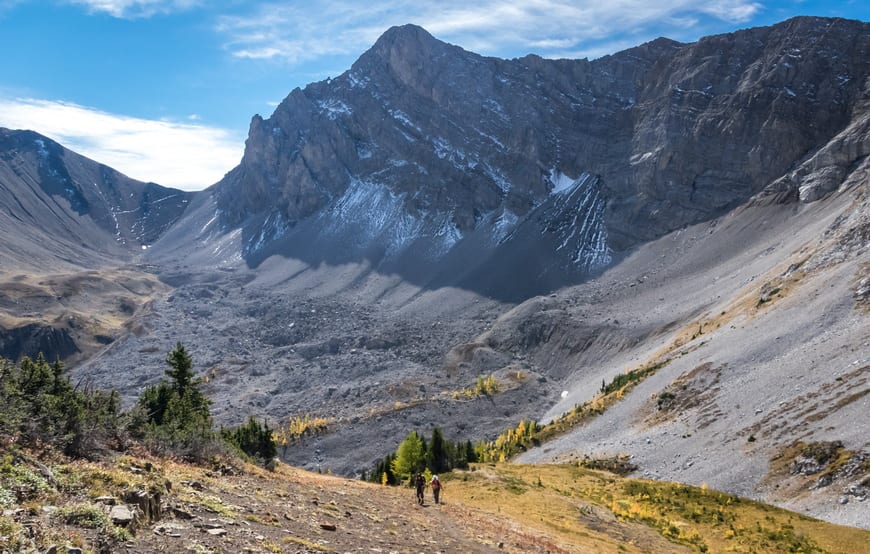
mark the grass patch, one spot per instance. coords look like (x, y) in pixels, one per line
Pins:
(290, 539)
(484, 386)
(610, 394)
(20, 481)
(528, 433)
(12, 535)
(211, 503)
(586, 510)
(89, 516)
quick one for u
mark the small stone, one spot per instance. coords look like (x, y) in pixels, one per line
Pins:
(107, 500)
(122, 515)
(327, 526)
(73, 550)
(844, 500)
(51, 549)
(501, 545)
(196, 485)
(219, 532)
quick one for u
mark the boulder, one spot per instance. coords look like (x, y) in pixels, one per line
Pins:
(123, 515)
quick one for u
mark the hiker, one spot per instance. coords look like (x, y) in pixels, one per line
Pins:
(420, 483)
(436, 487)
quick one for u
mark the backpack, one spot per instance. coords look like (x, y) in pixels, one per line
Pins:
(436, 484)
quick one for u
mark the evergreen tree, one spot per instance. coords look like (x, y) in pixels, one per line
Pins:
(437, 458)
(41, 406)
(175, 415)
(470, 454)
(253, 439)
(180, 369)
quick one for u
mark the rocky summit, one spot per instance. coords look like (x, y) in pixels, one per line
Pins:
(422, 152)
(663, 253)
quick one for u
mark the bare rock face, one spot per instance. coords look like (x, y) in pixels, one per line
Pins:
(32, 339)
(460, 148)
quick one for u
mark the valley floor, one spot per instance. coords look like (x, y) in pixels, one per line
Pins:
(491, 508)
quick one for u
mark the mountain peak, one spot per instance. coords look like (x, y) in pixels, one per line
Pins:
(407, 52)
(406, 42)
(405, 34)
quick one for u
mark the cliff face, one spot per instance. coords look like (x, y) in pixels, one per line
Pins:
(466, 146)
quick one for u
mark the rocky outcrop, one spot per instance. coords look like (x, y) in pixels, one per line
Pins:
(34, 339)
(438, 146)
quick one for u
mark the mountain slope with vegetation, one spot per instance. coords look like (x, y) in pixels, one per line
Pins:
(366, 271)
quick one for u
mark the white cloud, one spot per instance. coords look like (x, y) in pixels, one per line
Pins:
(182, 155)
(132, 9)
(334, 27)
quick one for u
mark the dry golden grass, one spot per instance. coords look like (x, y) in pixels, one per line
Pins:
(494, 507)
(587, 510)
(89, 304)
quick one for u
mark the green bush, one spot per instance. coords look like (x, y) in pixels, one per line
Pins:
(253, 439)
(40, 406)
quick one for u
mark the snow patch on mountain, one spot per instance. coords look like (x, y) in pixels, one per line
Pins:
(561, 182)
(403, 118)
(584, 233)
(41, 149)
(504, 223)
(334, 108)
(370, 213)
(357, 81)
(497, 177)
(272, 229)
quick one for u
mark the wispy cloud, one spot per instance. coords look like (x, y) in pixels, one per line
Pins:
(183, 155)
(333, 27)
(7, 5)
(134, 9)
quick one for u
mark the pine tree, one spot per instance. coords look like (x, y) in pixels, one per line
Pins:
(437, 455)
(176, 415)
(470, 454)
(253, 439)
(180, 371)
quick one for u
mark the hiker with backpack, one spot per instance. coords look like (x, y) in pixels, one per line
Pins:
(436, 487)
(420, 483)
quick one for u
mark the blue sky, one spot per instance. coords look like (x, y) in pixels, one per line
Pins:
(163, 90)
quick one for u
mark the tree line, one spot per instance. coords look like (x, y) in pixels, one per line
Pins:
(416, 455)
(43, 409)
